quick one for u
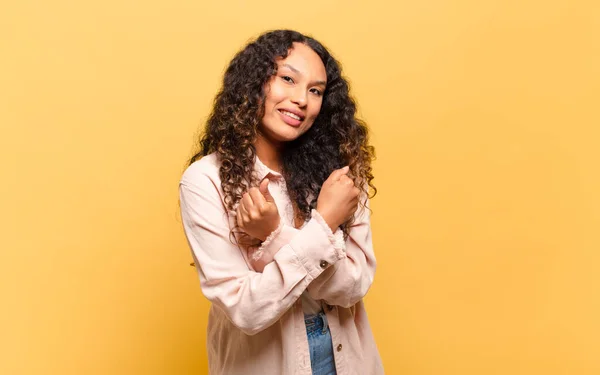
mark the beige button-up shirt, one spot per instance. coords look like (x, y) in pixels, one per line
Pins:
(256, 320)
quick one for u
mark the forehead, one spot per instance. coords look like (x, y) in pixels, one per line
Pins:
(306, 61)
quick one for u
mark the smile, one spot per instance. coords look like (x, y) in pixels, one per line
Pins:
(292, 115)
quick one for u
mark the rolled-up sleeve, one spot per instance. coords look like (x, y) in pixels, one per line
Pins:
(253, 301)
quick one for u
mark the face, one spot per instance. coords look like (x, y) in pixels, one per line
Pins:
(293, 96)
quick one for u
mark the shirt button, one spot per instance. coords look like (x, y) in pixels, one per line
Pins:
(324, 264)
(339, 348)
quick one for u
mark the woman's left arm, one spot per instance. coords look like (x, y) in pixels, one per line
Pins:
(349, 279)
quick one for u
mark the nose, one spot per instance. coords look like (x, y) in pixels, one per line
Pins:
(299, 97)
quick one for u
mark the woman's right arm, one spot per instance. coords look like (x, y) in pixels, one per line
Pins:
(252, 301)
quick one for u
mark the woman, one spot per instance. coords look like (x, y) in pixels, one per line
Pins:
(275, 209)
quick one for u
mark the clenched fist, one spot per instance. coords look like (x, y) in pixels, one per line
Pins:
(338, 199)
(257, 213)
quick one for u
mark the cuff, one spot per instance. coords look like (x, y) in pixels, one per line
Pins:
(336, 239)
(280, 237)
(317, 247)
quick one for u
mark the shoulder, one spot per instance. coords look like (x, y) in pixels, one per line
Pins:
(202, 173)
(200, 194)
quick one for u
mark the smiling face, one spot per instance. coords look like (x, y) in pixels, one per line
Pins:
(293, 96)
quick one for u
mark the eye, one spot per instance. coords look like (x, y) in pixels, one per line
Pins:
(288, 79)
(316, 92)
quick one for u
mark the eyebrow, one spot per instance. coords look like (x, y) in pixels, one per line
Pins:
(324, 83)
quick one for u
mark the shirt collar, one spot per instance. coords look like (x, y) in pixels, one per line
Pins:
(263, 171)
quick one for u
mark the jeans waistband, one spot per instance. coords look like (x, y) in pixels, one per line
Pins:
(316, 322)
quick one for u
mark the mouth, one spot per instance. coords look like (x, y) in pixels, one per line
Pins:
(296, 115)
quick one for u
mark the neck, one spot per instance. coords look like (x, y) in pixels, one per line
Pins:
(268, 152)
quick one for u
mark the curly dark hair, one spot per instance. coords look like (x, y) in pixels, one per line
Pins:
(337, 137)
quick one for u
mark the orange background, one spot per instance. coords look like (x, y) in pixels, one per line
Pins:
(485, 118)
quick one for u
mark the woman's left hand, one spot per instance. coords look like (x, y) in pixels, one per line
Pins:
(257, 213)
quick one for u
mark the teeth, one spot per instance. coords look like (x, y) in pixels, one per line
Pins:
(290, 114)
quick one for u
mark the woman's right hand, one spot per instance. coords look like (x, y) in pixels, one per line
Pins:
(338, 199)
(257, 214)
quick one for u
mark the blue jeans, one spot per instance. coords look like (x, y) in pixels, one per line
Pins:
(320, 345)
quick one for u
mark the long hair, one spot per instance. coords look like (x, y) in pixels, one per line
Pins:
(337, 137)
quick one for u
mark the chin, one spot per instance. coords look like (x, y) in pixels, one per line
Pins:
(287, 137)
(285, 134)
